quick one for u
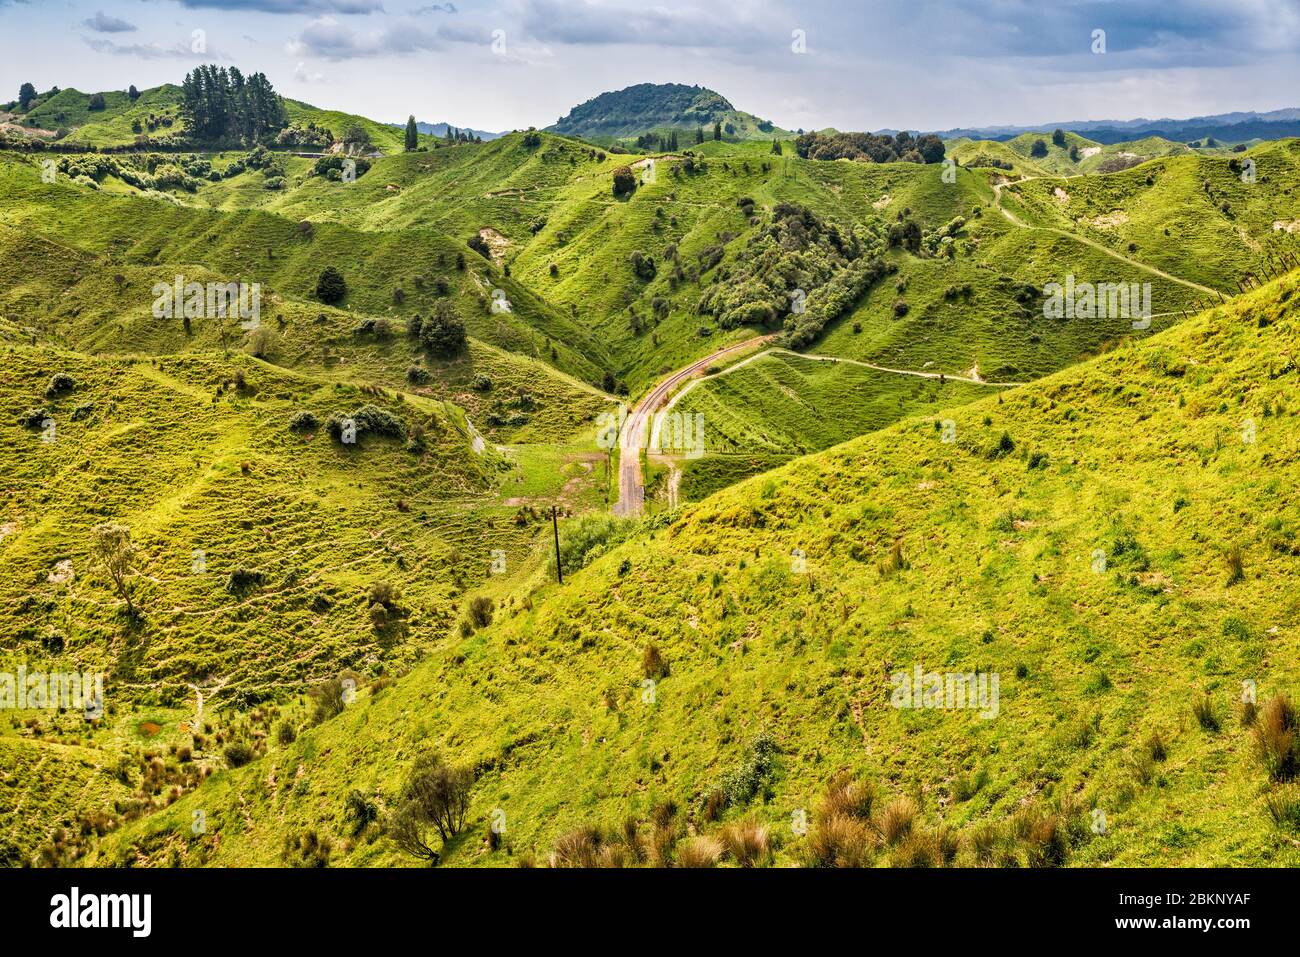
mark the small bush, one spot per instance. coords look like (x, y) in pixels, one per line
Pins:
(330, 287)
(60, 383)
(328, 699)
(303, 422)
(653, 664)
(242, 580)
(480, 611)
(284, 732)
(33, 418)
(237, 754)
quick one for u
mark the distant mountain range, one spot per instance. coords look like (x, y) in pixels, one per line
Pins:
(1231, 127)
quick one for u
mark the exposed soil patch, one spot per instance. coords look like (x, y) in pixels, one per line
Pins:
(1061, 195)
(1109, 220)
(497, 244)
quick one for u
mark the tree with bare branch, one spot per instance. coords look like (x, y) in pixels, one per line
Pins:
(114, 552)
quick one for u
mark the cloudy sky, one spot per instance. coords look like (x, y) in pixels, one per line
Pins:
(868, 64)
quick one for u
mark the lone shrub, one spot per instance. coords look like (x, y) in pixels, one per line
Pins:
(237, 754)
(331, 288)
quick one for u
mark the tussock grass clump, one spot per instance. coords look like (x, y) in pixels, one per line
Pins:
(1204, 711)
(848, 796)
(1047, 841)
(895, 563)
(840, 841)
(1142, 766)
(897, 819)
(578, 848)
(1275, 739)
(700, 851)
(919, 848)
(1155, 746)
(983, 842)
(1236, 565)
(1283, 806)
(663, 812)
(663, 844)
(966, 786)
(306, 848)
(748, 842)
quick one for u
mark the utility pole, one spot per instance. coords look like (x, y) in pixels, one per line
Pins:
(555, 527)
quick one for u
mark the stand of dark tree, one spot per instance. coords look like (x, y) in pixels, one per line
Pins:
(223, 104)
(871, 147)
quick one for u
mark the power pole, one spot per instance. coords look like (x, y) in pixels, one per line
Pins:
(555, 527)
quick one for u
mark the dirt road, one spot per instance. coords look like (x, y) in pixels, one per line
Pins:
(632, 437)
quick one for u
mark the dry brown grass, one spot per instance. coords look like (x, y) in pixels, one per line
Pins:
(748, 842)
(662, 845)
(578, 848)
(896, 819)
(1276, 743)
(849, 797)
(840, 841)
(700, 851)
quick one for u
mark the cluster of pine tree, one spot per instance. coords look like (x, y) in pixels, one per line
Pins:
(461, 136)
(658, 142)
(221, 104)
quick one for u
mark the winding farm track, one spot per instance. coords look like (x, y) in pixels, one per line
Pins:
(632, 436)
(662, 398)
(1011, 218)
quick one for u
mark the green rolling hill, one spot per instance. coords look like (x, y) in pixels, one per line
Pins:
(918, 469)
(977, 555)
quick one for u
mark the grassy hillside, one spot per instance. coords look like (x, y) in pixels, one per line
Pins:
(977, 555)
(112, 126)
(1192, 216)
(786, 402)
(200, 455)
(385, 138)
(254, 246)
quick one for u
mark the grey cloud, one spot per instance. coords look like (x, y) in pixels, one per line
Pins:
(289, 6)
(328, 38)
(102, 23)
